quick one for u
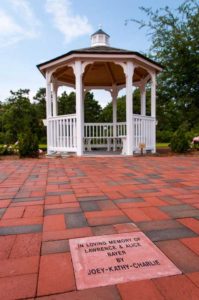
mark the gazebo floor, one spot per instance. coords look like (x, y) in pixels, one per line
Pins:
(46, 202)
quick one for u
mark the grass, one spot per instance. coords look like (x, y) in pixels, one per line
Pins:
(43, 147)
(158, 145)
(162, 145)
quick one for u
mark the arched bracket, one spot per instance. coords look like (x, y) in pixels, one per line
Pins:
(79, 67)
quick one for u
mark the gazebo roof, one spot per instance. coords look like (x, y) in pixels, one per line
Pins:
(100, 50)
(103, 67)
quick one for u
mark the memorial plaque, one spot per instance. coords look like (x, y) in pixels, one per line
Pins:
(110, 259)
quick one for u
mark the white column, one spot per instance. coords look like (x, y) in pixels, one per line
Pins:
(48, 97)
(54, 94)
(48, 111)
(114, 94)
(85, 91)
(129, 108)
(143, 100)
(83, 108)
(79, 106)
(153, 109)
(153, 95)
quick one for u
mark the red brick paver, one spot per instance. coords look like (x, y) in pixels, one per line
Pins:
(142, 290)
(177, 287)
(18, 287)
(56, 274)
(46, 202)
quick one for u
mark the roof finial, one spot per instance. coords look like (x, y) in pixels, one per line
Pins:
(100, 26)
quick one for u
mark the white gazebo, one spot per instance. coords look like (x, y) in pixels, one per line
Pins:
(100, 67)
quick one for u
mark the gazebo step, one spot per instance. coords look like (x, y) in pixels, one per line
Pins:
(60, 154)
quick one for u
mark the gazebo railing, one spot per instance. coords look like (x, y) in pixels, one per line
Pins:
(62, 133)
(144, 129)
(104, 130)
(104, 135)
(98, 130)
(121, 129)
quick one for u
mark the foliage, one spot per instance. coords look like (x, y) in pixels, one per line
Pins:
(67, 105)
(2, 137)
(107, 112)
(195, 145)
(40, 105)
(8, 149)
(28, 144)
(40, 108)
(175, 45)
(92, 108)
(180, 141)
(164, 136)
(19, 116)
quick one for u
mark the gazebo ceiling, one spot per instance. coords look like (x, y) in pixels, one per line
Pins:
(99, 73)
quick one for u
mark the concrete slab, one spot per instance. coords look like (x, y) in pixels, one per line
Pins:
(106, 260)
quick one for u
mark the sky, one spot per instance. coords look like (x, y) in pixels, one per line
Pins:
(34, 31)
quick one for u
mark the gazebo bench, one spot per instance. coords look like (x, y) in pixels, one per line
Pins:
(88, 143)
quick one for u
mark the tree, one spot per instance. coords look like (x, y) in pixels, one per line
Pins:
(1, 123)
(92, 109)
(107, 112)
(40, 107)
(40, 99)
(19, 116)
(67, 105)
(175, 45)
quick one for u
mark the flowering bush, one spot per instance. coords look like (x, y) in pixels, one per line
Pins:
(14, 149)
(195, 142)
(9, 149)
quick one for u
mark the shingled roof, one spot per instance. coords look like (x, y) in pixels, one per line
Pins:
(100, 31)
(100, 50)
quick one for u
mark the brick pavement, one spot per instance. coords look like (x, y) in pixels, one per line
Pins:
(46, 202)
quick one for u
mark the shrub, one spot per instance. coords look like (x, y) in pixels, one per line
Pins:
(8, 138)
(43, 140)
(3, 149)
(2, 138)
(164, 136)
(180, 142)
(8, 149)
(28, 145)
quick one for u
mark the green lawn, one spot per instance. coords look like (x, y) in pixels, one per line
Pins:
(158, 145)
(162, 145)
(43, 147)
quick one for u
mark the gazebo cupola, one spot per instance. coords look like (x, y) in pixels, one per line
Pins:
(99, 38)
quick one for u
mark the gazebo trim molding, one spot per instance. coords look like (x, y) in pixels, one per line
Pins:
(97, 55)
